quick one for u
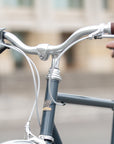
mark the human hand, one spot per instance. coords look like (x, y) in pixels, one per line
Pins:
(110, 45)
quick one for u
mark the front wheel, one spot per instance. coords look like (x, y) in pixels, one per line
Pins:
(33, 140)
(17, 142)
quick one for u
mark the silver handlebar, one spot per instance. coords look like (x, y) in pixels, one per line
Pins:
(44, 50)
(78, 34)
(18, 43)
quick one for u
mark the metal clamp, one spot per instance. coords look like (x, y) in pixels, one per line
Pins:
(46, 137)
(54, 74)
(42, 51)
(97, 34)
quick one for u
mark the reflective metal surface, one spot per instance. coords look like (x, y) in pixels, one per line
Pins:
(44, 50)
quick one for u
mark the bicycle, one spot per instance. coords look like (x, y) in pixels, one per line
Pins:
(48, 131)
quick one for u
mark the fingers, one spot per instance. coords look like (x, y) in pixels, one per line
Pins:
(112, 54)
(110, 45)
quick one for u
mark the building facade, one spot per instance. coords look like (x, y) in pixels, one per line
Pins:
(52, 21)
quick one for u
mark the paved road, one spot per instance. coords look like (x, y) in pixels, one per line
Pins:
(76, 124)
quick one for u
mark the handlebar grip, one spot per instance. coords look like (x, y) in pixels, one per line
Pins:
(112, 28)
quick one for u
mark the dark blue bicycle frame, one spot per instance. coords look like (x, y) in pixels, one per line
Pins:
(48, 127)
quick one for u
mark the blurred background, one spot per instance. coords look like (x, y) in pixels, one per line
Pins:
(87, 68)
